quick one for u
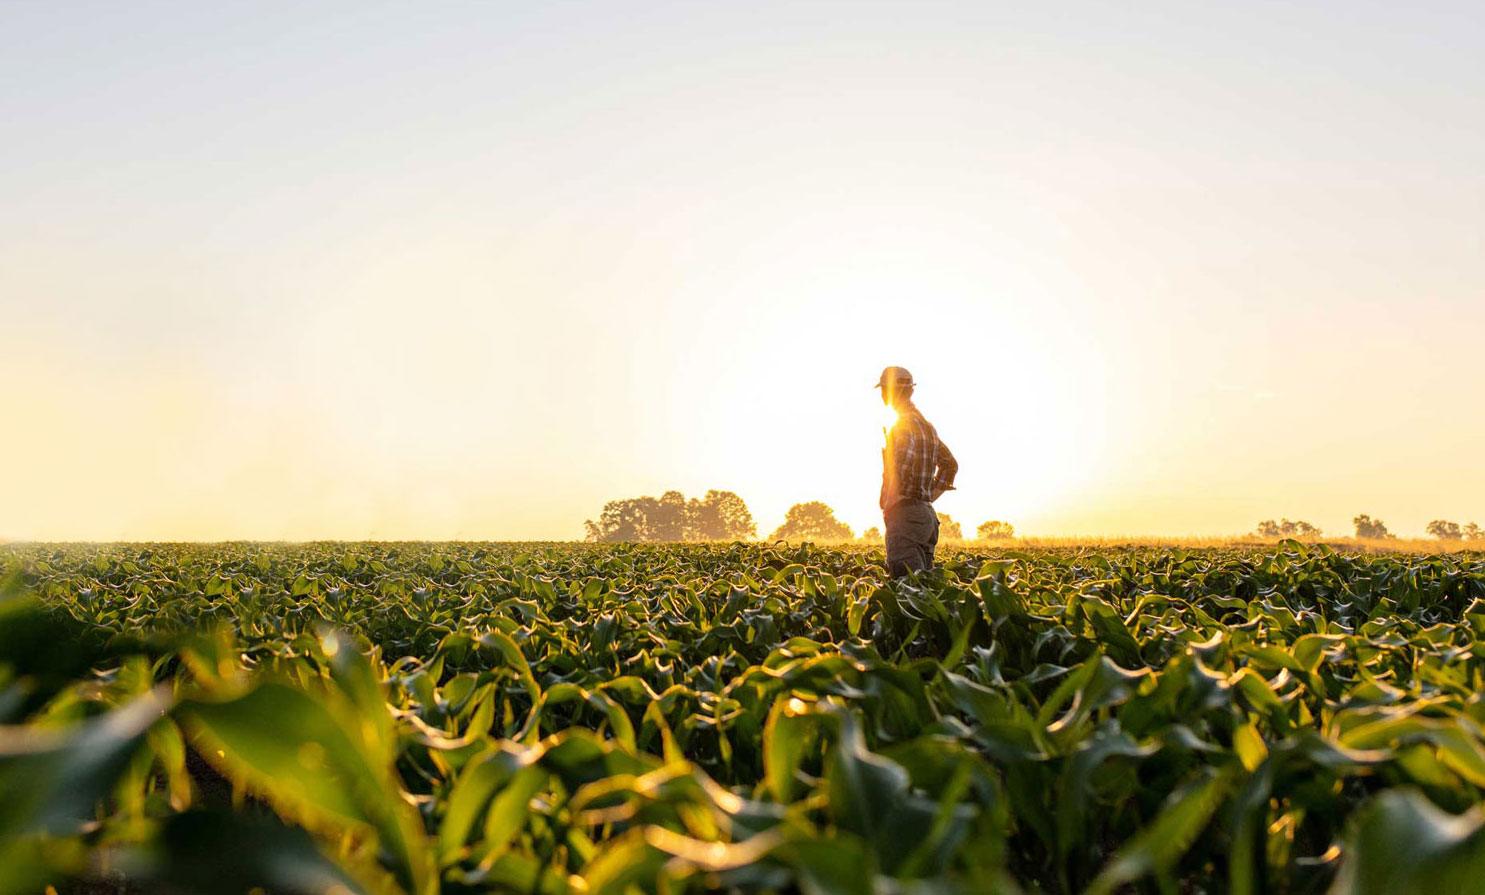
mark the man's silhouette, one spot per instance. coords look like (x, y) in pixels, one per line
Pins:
(916, 469)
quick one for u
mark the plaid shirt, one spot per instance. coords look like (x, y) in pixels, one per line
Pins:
(914, 463)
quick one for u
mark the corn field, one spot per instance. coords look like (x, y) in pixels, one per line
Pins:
(613, 719)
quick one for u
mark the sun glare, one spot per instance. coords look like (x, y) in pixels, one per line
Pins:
(888, 417)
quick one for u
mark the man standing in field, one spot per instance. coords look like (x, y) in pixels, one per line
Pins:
(917, 469)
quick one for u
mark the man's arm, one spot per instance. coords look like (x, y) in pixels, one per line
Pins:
(948, 467)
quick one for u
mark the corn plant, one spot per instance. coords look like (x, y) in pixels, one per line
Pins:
(545, 718)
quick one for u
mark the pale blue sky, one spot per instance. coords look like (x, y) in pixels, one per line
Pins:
(434, 270)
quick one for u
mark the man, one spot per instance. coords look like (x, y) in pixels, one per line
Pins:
(917, 469)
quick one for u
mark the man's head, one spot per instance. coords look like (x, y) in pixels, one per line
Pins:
(896, 384)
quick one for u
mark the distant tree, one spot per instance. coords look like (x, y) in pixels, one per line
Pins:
(948, 529)
(1371, 529)
(989, 531)
(1473, 532)
(872, 535)
(667, 520)
(1445, 530)
(1286, 529)
(812, 521)
(720, 516)
(624, 520)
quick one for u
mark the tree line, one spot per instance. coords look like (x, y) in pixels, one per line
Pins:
(949, 530)
(1370, 529)
(724, 516)
(719, 516)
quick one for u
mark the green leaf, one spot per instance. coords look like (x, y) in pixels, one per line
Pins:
(1158, 847)
(289, 746)
(210, 852)
(1401, 843)
(53, 781)
(839, 865)
(787, 737)
(864, 788)
(486, 775)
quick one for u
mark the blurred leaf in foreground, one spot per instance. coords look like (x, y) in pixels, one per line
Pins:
(1401, 843)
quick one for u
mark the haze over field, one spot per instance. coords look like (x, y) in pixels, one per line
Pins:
(394, 271)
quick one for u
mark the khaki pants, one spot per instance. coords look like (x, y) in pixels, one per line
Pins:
(912, 535)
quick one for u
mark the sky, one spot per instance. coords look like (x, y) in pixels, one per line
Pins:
(470, 270)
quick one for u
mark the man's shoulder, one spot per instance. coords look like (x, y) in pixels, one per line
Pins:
(909, 420)
(914, 417)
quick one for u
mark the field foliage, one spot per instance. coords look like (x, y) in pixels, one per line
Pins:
(610, 719)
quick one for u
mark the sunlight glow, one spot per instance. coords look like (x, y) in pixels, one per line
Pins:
(889, 418)
(579, 255)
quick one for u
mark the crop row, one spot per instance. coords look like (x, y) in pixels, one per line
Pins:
(616, 718)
